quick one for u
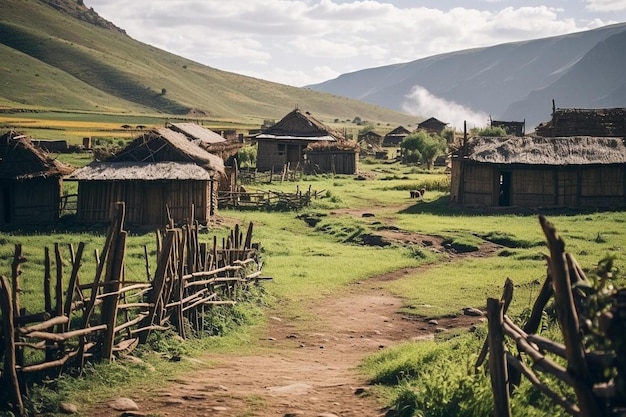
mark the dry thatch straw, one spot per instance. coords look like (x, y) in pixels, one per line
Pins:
(145, 171)
(165, 145)
(20, 159)
(534, 150)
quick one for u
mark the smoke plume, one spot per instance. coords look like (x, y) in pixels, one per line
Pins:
(421, 102)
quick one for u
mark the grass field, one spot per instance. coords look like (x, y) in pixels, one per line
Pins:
(310, 262)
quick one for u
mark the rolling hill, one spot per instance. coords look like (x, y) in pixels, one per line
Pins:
(513, 81)
(58, 54)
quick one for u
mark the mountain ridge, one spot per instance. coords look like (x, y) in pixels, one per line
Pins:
(500, 80)
(58, 54)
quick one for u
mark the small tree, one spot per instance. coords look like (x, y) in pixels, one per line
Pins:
(163, 91)
(420, 146)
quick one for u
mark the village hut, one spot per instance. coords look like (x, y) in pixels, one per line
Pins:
(532, 171)
(511, 128)
(371, 144)
(283, 144)
(30, 182)
(432, 125)
(340, 157)
(396, 136)
(160, 175)
(585, 122)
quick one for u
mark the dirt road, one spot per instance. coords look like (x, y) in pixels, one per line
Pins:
(312, 370)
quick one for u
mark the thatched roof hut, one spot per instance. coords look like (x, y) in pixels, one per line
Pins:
(30, 181)
(163, 144)
(585, 122)
(284, 142)
(537, 171)
(159, 175)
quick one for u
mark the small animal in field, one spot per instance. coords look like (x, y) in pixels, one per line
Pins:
(417, 193)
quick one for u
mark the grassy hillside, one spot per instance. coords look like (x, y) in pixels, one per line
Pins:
(56, 54)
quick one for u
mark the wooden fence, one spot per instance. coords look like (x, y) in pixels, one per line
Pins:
(252, 176)
(93, 321)
(597, 393)
(268, 199)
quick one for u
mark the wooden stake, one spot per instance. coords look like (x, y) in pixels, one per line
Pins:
(497, 359)
(6, 305)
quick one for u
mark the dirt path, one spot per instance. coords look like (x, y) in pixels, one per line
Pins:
(309, 373)
(308, 368)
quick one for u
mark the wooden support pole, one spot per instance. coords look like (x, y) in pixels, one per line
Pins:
(497, 359)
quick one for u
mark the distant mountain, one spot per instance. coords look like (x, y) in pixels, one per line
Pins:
(514, 81)
(61, 55)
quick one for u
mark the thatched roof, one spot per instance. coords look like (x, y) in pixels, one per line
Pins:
(585, 122)
(20, 159)
(197, 133)
(144, 171)
(341, 146)
(534, 150)
(300, 126)
(165, 145)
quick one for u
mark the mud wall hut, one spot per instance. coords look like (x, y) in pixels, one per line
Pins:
(284, 142)
(160, 175)
(540, 172)
(30, 182)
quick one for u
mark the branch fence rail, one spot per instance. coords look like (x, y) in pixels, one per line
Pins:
(87, 322)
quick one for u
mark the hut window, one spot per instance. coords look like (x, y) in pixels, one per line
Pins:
(281, 148)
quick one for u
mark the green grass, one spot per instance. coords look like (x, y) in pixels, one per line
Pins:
(59, 61)
(312, 261)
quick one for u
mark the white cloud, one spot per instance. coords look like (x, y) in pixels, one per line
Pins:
(606, 5)
(421, 102)
(295, 36)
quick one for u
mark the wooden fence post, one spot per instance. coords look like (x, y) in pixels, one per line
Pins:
(497, 358)
(568, 321)
(113, 279)
(10, 372)
(155, 293)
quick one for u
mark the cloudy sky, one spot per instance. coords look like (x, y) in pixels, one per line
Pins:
(300, 42)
